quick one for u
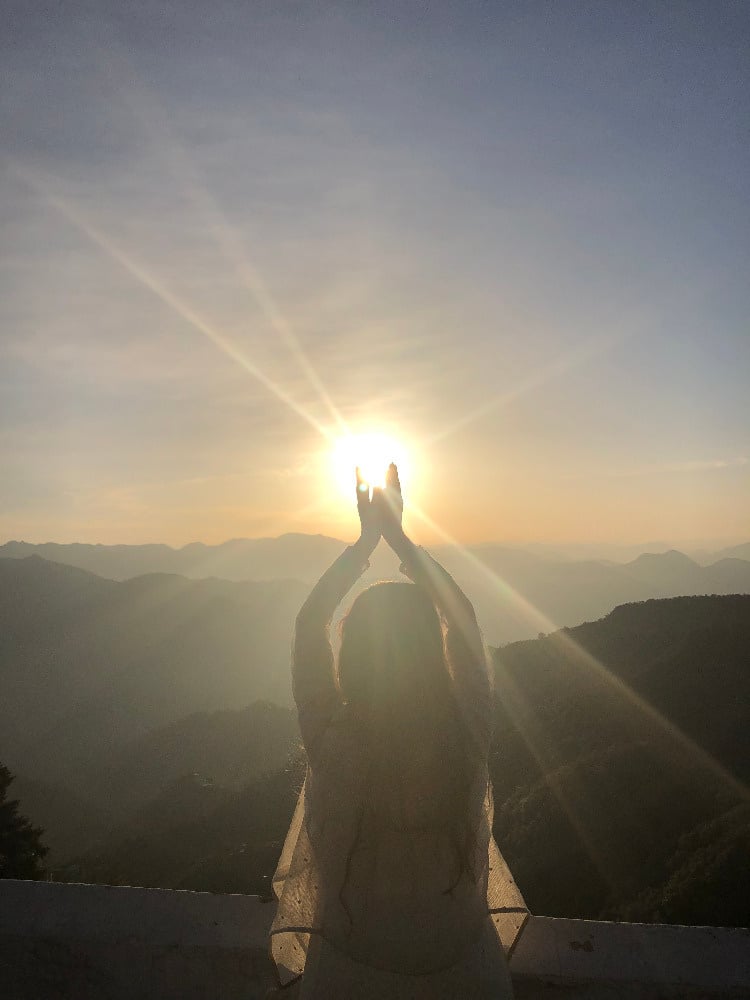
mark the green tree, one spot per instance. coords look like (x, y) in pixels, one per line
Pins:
(21, 850)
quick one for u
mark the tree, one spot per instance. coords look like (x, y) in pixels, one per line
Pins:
(21, 850)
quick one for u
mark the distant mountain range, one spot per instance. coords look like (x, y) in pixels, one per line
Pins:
(87, 664)
(304, 557)
(610, 552)
(518, 595)
(516, 592)
(292, 556)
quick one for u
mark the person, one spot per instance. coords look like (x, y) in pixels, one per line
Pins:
(389, 872)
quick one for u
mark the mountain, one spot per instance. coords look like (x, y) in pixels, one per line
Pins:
(707, 879)
(71, 822)
(517, 593)
(87, 664)
(647, 671)
(151, 781)
(620, 768)
(291, 556)
(593, 551)
(733, 552)
(193, 837)
(616, 740)
(227, 748)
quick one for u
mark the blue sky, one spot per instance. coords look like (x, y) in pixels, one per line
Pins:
(514, 234)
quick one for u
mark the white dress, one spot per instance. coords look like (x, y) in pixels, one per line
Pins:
(411, 940)
(388, 918)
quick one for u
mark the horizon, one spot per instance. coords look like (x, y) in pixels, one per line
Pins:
(655, 546)
(515, 242)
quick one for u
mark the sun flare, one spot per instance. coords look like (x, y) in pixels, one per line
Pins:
(373, 453)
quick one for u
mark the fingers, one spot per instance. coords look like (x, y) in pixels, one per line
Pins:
(391, 477)
(392, 493)
(391, 497)
(363, 487)
(382, 506)
(388, 506)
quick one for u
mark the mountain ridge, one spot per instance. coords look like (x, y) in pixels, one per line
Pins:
(516, 593)
(119, 561)
(86, 659)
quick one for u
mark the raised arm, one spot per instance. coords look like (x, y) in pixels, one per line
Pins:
(464, 647)
(313, 681)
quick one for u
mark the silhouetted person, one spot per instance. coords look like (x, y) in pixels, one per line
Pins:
(383, 881)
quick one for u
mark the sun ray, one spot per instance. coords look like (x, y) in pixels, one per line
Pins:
(518, 708)
(542, 623)
(144, 107)
(182, 309)
(233, 251)
(582, 353)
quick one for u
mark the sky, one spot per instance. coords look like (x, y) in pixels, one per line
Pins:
(515, 236)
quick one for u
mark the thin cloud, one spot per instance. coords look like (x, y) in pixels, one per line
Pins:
(707, 465)
(700, 465)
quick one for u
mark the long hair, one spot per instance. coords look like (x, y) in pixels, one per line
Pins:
(393, 674)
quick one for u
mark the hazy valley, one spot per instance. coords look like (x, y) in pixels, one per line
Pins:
(148, 722)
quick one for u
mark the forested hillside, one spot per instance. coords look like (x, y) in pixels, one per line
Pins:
(620, 744)
(173, 773)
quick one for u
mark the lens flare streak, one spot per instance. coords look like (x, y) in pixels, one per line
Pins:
(579, 355)
(184, 311)
(542, 623)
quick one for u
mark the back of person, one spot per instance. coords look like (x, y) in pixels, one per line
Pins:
(383, 881)
(404, 887)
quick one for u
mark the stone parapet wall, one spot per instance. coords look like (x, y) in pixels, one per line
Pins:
(598, 960)
(95, 942)
(100, 942)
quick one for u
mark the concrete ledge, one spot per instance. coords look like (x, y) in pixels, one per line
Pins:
(595, 959)
(161, 918)
(52, 969)
(98, 942)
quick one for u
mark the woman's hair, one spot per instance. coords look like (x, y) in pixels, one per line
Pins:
(392, 653)
(393, 674)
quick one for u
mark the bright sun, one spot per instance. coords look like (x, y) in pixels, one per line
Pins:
(373, 453)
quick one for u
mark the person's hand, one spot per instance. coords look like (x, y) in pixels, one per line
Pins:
(390, 506)
(369, 515)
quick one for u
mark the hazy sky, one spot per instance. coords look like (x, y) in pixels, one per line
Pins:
(515, 234)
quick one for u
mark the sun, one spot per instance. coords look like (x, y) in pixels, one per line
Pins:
(373, 453)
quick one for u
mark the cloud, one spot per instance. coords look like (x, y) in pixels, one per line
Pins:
(707, 464)
(653, 469)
